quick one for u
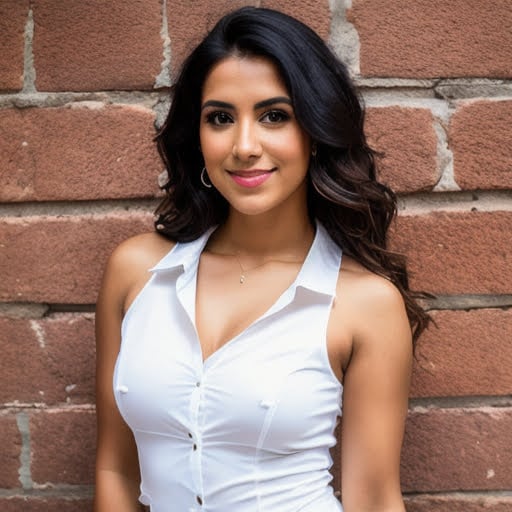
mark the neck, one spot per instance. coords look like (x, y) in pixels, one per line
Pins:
(261, 237)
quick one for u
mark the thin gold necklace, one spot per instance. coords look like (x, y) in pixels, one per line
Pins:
(244, 271)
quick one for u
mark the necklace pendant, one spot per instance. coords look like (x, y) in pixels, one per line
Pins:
(242, 279)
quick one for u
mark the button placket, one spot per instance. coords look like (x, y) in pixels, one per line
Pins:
(195, 439)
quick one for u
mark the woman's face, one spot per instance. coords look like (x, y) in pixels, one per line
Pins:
(254, 150)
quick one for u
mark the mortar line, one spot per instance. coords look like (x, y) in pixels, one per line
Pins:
(29, 72)
(20, 407)
(455, 201)
(343, 36)
(466, 402)
(24, 471)
(66, 491)
(463, 495)
(74, 208)
(30, 99)
(446, 182)
(163, 79)
(466, 302)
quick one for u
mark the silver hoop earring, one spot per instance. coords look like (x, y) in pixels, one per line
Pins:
(204, 179)
(313, 149)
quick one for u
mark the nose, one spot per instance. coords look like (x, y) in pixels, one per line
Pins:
(247, 143)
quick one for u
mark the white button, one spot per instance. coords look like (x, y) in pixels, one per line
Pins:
(122, 389)
(266, 403)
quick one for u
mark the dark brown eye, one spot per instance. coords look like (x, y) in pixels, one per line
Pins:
(218, 118)
(275, 116)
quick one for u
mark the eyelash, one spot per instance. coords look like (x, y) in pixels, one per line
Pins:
(282, 115)
(213, 118)
(221, 118)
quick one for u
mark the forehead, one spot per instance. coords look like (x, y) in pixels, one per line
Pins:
(248, 77)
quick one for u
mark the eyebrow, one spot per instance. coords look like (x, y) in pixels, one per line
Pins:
(260, 104)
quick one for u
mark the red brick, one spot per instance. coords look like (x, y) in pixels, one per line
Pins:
(61, 259)
(421, 38)
(63, 446)
(13, 16)
(407, 141)
(105, 152)
(45, 504)
(459, 504)
(189, 21)
(91, 45)
(47, 360)
(336, 462)
(314, 13)
(457, 253)
(467, 354)
(10, 452)
(481, 140)
(457, 449)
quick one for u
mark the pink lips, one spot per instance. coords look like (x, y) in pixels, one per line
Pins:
(251, 178)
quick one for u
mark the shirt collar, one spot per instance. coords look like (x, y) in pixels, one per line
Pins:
(318, 273)
(320, 269)
(183, 254)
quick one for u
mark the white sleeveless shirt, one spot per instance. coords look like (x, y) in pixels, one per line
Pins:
(250, 428)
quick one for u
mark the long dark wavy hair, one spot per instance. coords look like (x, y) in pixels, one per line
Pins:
(343, 192)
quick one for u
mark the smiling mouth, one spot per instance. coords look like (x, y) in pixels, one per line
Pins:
(251, 177)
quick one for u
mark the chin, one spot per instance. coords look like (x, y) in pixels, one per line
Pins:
(251, 208)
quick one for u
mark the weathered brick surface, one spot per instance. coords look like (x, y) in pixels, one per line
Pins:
(10, 452)
(78, 153)
(459, 504)
(434, 39)
(90, 45)
(408, 143)
(189, 21)
(481, 141)
(457, 449)
(49, 504)
(63, 446)
(467, 354)
(61, 259)
(47, 360)
(457, 253)
(315, 13)
(13, 16)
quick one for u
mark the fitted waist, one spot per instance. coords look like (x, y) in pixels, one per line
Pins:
(236, 478)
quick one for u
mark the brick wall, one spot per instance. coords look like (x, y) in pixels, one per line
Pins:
(81, 88)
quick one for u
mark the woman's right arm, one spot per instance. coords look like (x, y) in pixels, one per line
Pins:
(117, 467)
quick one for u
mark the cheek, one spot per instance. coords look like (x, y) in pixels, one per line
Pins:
(213, 146)
(294, 147)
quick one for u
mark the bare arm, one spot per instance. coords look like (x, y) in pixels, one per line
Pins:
(117, 468)
(376, 387)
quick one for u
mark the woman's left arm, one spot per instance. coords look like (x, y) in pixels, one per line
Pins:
(375, 399)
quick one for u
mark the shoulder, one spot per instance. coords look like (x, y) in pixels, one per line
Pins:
(128, 265)
(140, 251)
(373, 306)
(372, 289)
(368, 289)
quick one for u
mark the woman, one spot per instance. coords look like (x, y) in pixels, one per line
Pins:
(271, 295)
